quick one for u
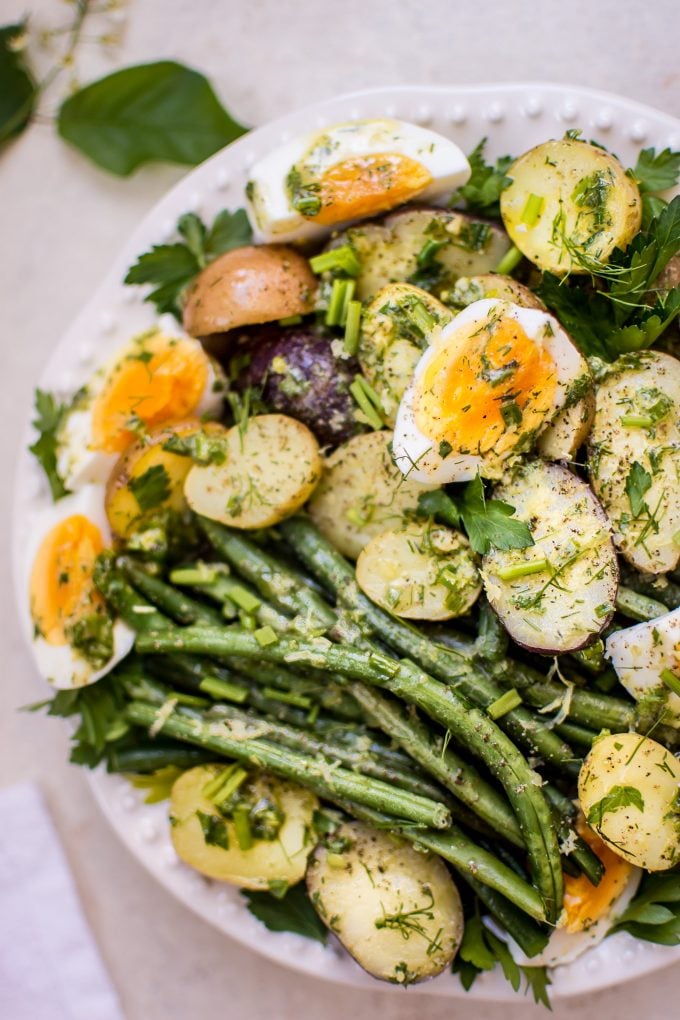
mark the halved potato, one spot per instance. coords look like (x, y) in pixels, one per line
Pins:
(272, 467)
(570, 428)
(247, 286)
(421, 571)
(570, 203)
(395, 910)
(634, 457)
(208, 841)
(362, 493)
(391, 341)
(469, 289)
(558, 594)
(393, 249)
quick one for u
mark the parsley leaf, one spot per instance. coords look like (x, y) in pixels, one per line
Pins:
(18, 92)
(483, 190)
(292, 912)
(655, 173)
(50, 416)
(214, 830)
(481, 950)
(654, 914)
(488, 522)
(171, 268)
(638, 482)
(102, 720)
(151, 488)
(618, 797)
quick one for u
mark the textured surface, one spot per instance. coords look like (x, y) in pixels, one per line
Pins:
(63, 224)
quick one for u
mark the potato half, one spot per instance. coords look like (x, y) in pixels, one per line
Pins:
(208, 842)
(558, 594)
(469, 289)
(247, 286)
(395, 910)
(272, 467)
(362, 493)
(570, 203)
(628, 788)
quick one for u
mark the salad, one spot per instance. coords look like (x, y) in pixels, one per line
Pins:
(365, 556)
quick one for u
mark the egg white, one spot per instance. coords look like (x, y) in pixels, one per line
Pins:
(416, 454)
(77, 462)
(60, 665)
(639, 654)
(270, 211)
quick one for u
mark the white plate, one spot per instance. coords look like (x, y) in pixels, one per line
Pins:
(514, 117)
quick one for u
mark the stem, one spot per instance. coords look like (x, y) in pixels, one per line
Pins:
(510, 261)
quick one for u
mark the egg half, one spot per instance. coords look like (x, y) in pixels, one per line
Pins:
(488, 383)
(641, 654)
(588, 911)
(347, 172)
(73, 637)
(155, 379)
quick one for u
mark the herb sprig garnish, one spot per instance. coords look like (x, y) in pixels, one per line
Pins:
(482, 191)
(50, 415)
(655, 173)
(481, 950)
(488, 522)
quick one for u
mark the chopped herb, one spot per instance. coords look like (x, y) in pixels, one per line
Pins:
(265, 636)
(638, 482)
(671, 680)
(304, 196)
(50, 416)
(224, 690)
(523, 569)
(511, 414)
(92, 637)
(617, 798)
(510, 261)
(342, 259)
(341, 295)
(352, 326)
(288, 697)
(445, 448)
(242, 829)
(506, 703)
(482, 191)
(214, 830)
(152, 488)
(200, 446)
(533, 208)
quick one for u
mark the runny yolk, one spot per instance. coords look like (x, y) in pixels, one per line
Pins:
(61, 589)
(585, 903)
(364, 185)
(163, 381)
(482, 390)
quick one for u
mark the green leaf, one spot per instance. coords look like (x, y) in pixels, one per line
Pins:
(657, 172)
(151, 488)
(158, 784)
(483, 189)
(152, 112)
(617, 798)
(473, 948)
(437, 504)
(538, 980)
(50, 416)
(586, 315)
(18, 92)
(293, 912)
(214, 830)
(489, 522)
(229, 230)
(649, 913)
(510, 969)
(638, 482)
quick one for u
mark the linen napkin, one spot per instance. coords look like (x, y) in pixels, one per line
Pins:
(50, 967)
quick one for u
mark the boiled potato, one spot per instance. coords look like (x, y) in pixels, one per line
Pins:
(469, 289)
(421, 571)
(247, 286)
(395, 910)
(569, 429)
(628, 788)
(207, 840)
(391, 341)
(634, 457)
(569, 204)
(272, 467)
(362, 493)
(556, 595)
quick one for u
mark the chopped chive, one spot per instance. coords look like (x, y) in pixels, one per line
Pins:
(522, 569)
(288, 697)
(335, 860)
(347, 296)
(603, 610)
(290, 320)
(266, 636)
(352, 324)
(510, 261)
(354, 516)
(193, 575)
(190, 700)
(506, 703)
(637, 421)
(217, 688)
(365, 405)
(337, 302)
(242, 830)
(671, 680)
(225, 783)
(421, 318)
(229, 610)
(370, 392)
(343, 258)
(511, 414)
(313, 714)
(243, 599)
(427, 253)
(247, 620)
(532, 210)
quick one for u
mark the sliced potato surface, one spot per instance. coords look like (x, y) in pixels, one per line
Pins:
(645, 657)
(391, 341)
(420, 571)
(393, 249)
(628, 788)
(469, 289)
(247, 286)
(362, 493)
(397, 911)
(634, 457)
(272, 467)
(570, 204)
(571, 426)
(208, 841)
(557, 594)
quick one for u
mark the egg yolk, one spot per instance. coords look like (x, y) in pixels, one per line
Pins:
(365, 185)
(163, 381)
(61, 588)
(482, 390)
(585, 903)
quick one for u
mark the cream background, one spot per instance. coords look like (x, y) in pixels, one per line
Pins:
(62, 223)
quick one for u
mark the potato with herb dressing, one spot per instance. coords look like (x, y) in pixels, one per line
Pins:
(629, 787)
(395, 910)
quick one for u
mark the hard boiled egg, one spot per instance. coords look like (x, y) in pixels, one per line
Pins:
(73, 637)
(489, 382)
(588, 911)
(347, 172)
(155, 379)
(647, 659)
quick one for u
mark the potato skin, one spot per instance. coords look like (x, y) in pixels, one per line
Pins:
(492, 285)
(247, 286)
(297, 374)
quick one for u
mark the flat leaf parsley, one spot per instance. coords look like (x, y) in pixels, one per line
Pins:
(488, 522)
